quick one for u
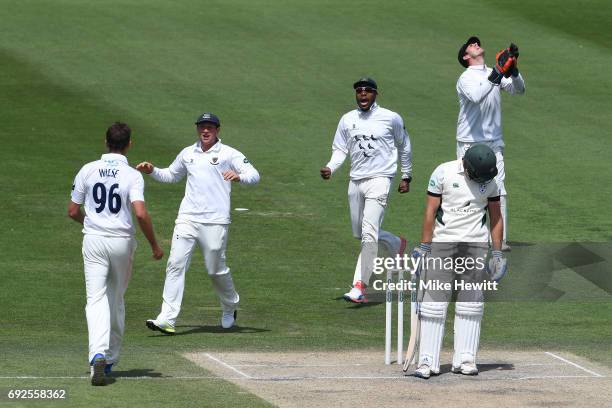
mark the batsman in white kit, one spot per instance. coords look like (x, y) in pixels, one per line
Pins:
(203, 218)
(109, 189)
(460, 195)
(373, 137)
(479, 90)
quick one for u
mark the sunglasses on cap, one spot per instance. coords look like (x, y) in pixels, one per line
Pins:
(367, 89)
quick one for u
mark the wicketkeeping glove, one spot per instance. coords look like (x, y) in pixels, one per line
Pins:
(498, 266)
(503, 65)
(514, 52)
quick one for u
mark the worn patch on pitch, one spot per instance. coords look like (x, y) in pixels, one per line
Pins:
(336, 379)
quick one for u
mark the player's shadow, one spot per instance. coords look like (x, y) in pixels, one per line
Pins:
(217, 329)
(352, 305)
(136, 372)
(446, 368)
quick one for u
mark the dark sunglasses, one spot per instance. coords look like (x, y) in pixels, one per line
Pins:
(368, 89)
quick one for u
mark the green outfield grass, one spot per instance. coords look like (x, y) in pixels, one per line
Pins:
(279, 75)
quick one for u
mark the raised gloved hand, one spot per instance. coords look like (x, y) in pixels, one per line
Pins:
(514, 52)
(498, 266)
(504, 63)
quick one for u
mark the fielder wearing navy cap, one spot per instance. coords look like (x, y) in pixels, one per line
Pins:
(369, 82)
(461, 53)
(208, 118)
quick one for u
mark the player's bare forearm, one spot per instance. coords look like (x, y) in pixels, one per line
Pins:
(74, 212)
(497, 225)
(433, 203)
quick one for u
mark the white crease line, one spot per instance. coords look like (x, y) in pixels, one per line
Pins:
(295, 378)
(298, 365)
(210, 377)
(224, 364)
(574, 364)
(32, 377)
(536, 377)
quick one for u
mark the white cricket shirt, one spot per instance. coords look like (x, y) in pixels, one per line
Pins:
(372, 139)
(207, 195)
(462, 213)
(107, 187)
(480, 104)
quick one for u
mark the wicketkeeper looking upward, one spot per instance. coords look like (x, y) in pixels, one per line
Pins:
(479, 89)
(460, 195)
(373, 137)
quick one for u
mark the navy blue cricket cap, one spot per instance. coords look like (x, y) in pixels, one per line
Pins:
(471, 40)
(365, 81)
(209, 118)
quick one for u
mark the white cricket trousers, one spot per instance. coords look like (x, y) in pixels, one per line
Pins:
(108, 269)
(498, 148)
(212, 240)
(367, 203)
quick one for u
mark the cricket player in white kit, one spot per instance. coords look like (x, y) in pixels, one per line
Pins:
(203, 218)
(459, 196)
(109, 189)
(479, 90)
(373, 137)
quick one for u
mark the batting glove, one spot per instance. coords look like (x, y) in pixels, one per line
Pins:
(498, 266)
(422, 250)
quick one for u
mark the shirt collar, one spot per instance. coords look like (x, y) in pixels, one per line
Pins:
(216, 147)
(114, 157)
(478, 67)
(460, 169)
(372, 109)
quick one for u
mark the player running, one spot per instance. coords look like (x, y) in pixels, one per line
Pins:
(203, 218)
(373, 137)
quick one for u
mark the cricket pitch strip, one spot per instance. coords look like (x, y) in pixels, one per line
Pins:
(349, 379)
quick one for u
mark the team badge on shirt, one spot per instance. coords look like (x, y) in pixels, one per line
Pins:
(483, 188)
(214, 161)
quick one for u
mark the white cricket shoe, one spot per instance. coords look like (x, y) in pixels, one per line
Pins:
(465, 369)
(228, 319)
(164, 327)
(424, 371)
(356, 294)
